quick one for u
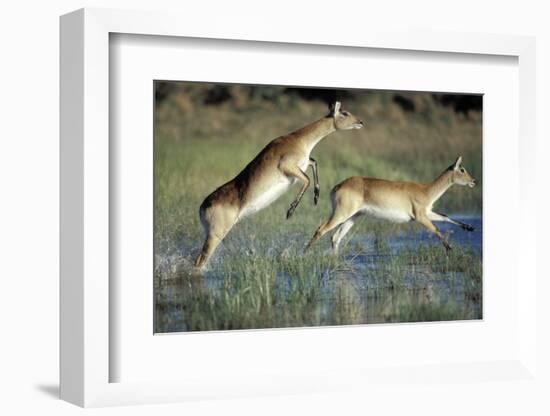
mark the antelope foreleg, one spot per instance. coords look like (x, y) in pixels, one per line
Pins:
(296, 172)
(316, 187)
(436, 216)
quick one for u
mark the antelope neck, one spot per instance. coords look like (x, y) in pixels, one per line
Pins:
(440, 185)
(313, 133)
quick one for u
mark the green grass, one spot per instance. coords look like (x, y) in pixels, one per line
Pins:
(294, 290)
(259, 277)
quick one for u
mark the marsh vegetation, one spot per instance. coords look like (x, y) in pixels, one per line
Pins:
(259, 277)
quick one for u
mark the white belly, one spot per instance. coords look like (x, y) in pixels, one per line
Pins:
(271, 193)
(304, 164)
(273, 190)
(393, 215)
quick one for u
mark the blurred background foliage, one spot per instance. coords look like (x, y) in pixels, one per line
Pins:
(408, 135)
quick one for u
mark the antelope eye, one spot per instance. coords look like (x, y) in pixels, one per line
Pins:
(345, 113)
(462, 170)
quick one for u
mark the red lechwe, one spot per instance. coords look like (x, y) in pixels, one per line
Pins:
(390, 200)
(271, 173)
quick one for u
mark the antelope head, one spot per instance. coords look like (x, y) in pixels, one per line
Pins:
(343, 120)
(460, 174)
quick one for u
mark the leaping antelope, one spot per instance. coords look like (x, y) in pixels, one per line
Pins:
(281, 163)
(393, 201)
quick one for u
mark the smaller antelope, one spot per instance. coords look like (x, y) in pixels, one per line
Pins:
(393, 201)
(271, 173)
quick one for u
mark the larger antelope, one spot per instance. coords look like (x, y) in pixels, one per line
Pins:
(271, 173)
(393, 201)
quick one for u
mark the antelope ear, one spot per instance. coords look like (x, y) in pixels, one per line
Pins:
(335, 108)
(458, 162)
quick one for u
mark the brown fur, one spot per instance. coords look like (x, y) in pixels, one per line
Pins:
(284, 159)
(394, 200)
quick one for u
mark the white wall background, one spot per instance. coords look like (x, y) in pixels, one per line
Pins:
(29, 205)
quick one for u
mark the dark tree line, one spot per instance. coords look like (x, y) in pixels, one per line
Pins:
(216, 94)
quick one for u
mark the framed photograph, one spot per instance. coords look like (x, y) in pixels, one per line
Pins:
(271, 214)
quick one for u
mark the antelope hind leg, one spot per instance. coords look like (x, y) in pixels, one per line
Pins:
(217, 222)
(208, 248)
(339, 234)
(425, 221)
(324, 228)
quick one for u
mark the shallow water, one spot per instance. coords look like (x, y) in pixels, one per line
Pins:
(377, 286)
(420, 285)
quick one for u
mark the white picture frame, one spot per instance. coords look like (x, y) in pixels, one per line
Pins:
(85, 353)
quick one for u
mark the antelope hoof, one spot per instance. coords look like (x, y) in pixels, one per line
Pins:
(467, 227)
(316, 193)
(290, 211)
(197, 271)
(198, 262)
